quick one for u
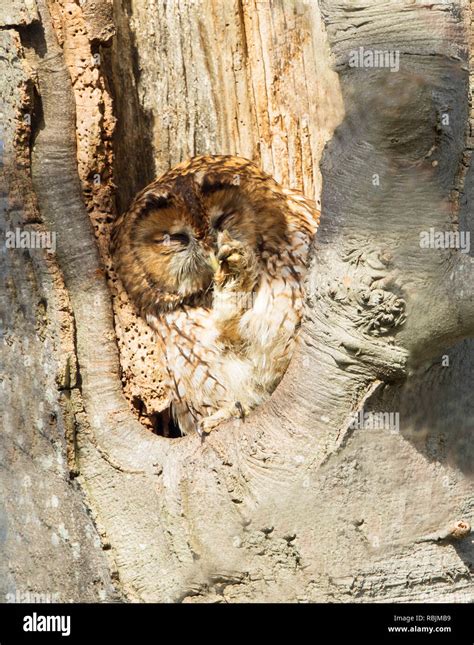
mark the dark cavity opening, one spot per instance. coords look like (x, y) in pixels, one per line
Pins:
(160, 423)
(164, 425)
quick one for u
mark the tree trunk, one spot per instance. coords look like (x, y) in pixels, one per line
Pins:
(299, 503)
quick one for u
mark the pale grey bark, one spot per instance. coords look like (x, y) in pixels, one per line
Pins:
(49, 544)
(295, 504)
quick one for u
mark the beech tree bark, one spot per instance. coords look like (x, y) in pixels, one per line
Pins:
(299, 503)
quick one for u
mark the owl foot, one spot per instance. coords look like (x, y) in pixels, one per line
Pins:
(208, 424)
(237, 264)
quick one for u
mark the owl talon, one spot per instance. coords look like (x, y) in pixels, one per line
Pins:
(208, 424)
(240, 408)
(230, 253)
(236, 264)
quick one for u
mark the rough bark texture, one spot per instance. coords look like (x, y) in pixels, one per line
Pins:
(49, 544)
(295, 504)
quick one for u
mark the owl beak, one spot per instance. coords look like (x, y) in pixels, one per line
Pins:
(208, 248)
(213, 261)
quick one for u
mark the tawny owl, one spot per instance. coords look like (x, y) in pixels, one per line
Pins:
(214, 255)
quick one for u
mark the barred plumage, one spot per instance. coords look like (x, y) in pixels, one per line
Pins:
(214, 255)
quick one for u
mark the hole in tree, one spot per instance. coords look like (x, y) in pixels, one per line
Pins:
(160, 423)
(164, 424)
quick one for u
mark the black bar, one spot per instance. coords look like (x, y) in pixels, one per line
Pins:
(243, 623)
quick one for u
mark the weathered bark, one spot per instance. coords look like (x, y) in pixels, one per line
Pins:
(295, 504)
(49, 544)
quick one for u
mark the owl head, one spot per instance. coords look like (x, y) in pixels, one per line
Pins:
(164, 246)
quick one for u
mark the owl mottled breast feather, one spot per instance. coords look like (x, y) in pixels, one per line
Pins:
(214, 255)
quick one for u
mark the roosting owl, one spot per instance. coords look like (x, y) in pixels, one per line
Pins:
(214, 255)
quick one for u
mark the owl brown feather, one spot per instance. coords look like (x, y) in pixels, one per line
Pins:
(214, 255)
